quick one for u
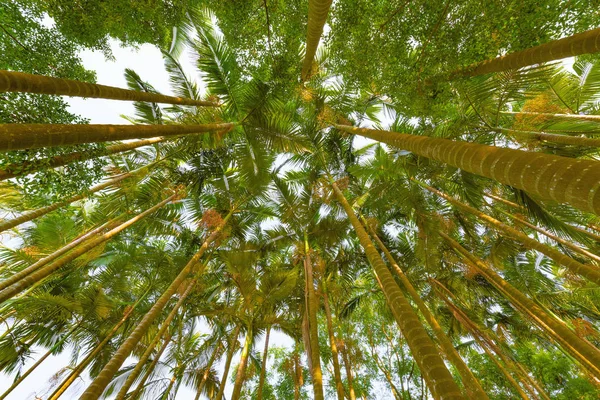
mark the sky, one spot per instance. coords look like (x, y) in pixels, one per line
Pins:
(147, 62)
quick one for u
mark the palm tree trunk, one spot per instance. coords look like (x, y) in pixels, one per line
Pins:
(110, 369)
(590, 272)
(571, 46)
(581, 350)
(241, 370)
(339, 386)
(434, 370)
(43, 272)
(165, 395)
(33, 136)
(84, 363)
(29, 167)
(312, 305)
(298, 378)
(12, 81)
(31, 215)
(348, 367)
(579, 117)
(163, 328)
(471, 383)
(230, 353)
(550, 137)
(574, 181)
(211, 361)
(263, 370)
(135, 394)
(317, 17)
(40, 263)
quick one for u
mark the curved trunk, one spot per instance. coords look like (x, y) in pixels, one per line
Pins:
(43, 272)
(230, 353)
(550, 137)
(590, 272)
(571, 46)
(263, 370)
(471, 383)
(241, 371)
(148, 352)
(424, 351)
(29, 167)
(574, 181)
(151, 367)
(581, 350)
(110, 369)
(317, 17)
(339, 386)
(33, 136)
(12, 81)
(312, 305)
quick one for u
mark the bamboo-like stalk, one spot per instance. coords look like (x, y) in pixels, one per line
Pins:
(562, 179)
(550, 137)
(204, 378)
(263, 369)
(12, 81)
(579, 117)
(135, 394)
(339, 386)
(231, 350)
(240, 375)
(317, 16)
(348, 367)
(33, 136)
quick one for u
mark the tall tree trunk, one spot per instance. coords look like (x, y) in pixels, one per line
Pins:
(312, 305)
(579, 117)
(230, 354)
(590, 272)
(85, 362)
(29, 167)
(40, 263)
(339, 386)
(43, 272)
(348, 366)
(12, 81)
(298, 376)
(550, 137)
(571, 46)
(110, 369)
(165, 395)
(31, 215)
(241, 370)
(425, 352)
(135, 394)
(581, 350)
(163, 329)
(574, 181)
(209, 365)
(263, 370)
(471, 383)
(34, 136)
(317, 17)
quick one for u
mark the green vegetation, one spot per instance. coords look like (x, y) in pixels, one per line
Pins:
(418, 218)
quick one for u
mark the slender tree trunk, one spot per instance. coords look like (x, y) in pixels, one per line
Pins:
(40, 263)
(349, 376)
(230, 353)
(110, 369)
(339, 386)
(165, 395)
(581, 350)
(29, 167)
(579, 117)
(43, 272)
(33, 136)
(574, 181)
(550, 137)
(298, 380)
(590, 272)
(263, 370)
(12, 81)
(163, 329)
(31, 215)
(425, 352)
(135, 394)
(571, 46)
(85, 362)
(471, 383)
(317, 17)
(241, 371)
(312, 305)
(211, 361)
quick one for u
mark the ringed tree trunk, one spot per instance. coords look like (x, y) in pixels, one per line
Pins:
(588, 271)
(34, 136)
(12, 81)
(580, 43)
(587, 355)
(263, 370)
(37, 276)
(339, 386)
(471, 383)
(97, 387)
(29, 167)
(425, 352)
(230, 353)
(574, 181)
(317, 17)
(241, 370)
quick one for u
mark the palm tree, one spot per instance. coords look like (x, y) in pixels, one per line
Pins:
(317, 16)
